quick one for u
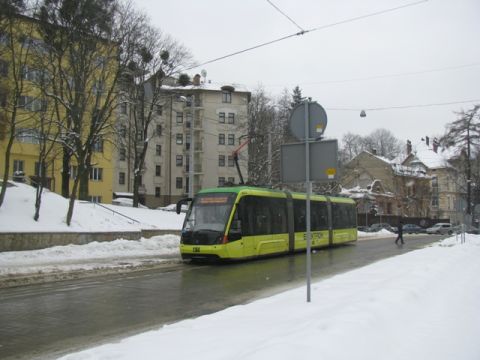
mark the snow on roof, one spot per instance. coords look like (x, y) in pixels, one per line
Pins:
(384, 159)
(430, 158)
(209, 87)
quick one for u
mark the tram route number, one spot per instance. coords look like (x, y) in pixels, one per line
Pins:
(196, 249)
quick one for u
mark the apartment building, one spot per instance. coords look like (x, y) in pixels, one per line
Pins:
(202, 121)
(24, 68)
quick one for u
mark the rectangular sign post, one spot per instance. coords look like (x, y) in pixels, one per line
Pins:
(295, 160)
(309, 190)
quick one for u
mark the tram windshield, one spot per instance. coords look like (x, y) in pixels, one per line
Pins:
(209, 212)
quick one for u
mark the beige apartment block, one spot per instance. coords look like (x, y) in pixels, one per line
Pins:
(215, 116)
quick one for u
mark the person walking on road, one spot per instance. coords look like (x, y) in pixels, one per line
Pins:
(400, 233)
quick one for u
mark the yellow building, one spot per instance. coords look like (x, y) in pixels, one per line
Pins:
(21, 52)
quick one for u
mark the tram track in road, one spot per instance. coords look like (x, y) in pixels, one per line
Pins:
(58, 318)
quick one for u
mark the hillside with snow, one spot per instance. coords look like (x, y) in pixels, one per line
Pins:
(16, 214)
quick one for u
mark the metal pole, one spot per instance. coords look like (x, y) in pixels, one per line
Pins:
(269, 158)
(192, 144)
(309, 190)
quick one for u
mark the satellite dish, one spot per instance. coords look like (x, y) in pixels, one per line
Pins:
(204, 73)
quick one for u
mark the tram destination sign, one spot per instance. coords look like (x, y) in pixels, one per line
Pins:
(323, 161)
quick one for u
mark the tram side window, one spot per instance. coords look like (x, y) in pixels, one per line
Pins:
(262, 216)
(343, 216)
(279, 215)
(263, 219)
(256, 216)
(299, 215)
(246, 208)
(319, 215)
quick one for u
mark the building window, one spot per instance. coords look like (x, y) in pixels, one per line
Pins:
(221, 160)
(123, 108)
(122, 131)
(3, 100)
(73, 172)
(157, 191)
(32, 74)
(231, 139)
(221, 118)
(139, 135)
(158, 130)
(122, 154)
(231, 118)
(189, 120)
(159, 110)
(179, 160)
(121, 178)
(98, 146)
(29, 136)
(96, 174)
(230, 161)
(95, 198)
(435, 190)
(18, 166)
(179, 139)
(3, 68)
(221, 139)
(158, 170)
(179, 183)
(221, 181)
(231, 180)
(32, 104)
(40, 170)
(98, 88)
(226, 97)
(158, 150)
(179, 118)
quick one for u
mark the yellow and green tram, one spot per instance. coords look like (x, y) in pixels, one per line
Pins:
(235, 223)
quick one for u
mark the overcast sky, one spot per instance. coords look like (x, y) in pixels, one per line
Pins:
(422, 54)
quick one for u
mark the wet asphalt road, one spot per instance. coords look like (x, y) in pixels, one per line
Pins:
(50, 320)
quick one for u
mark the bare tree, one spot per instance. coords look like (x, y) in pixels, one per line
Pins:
(261, 119)
(16, 109)
(352, 145)
(383, 142)
(82, 39)
(463, 135)
(154, 56)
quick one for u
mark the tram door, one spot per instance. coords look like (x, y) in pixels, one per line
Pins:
(264, 226)
(256, 229)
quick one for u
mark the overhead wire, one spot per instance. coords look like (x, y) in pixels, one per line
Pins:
(303, 32)
(385, 76)
(404, 106)
(288, 17)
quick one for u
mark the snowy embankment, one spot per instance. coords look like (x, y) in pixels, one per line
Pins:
(99, 256)
(16, 215)
(417, 306)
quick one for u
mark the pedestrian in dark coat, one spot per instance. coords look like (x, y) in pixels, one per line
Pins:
(400, 233)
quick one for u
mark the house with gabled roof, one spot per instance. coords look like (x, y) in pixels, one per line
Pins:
(398, 189)
(447, 186)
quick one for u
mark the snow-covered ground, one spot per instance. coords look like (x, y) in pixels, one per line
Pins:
(16, 214)
(420, 305)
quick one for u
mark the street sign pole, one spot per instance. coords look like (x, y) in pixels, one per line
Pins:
(308, 191)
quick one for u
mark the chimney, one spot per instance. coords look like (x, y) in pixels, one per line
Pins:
(409, 147)
(427, 140)
(374, 151)
(435, 145)
(196, 80)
